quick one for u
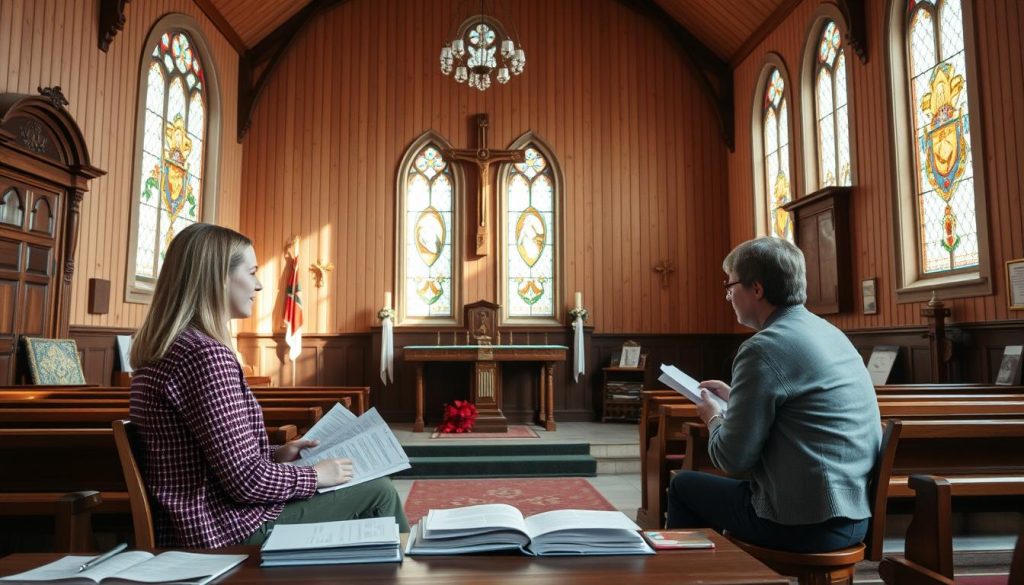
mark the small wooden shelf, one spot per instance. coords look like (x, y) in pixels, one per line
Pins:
(617, 381)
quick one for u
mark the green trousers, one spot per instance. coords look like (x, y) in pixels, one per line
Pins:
(372, 499)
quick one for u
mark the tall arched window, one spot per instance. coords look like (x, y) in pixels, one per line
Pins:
(430, 261)
(941, 210)
(172, 163)
(777, 175)
(530, 235)
(831, 116)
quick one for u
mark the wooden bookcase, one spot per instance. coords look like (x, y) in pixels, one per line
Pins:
(620, 393)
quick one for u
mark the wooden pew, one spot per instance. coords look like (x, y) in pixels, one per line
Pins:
(301, 417)
(356, 398)
(652, 465)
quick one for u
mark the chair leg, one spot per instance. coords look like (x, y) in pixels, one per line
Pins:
(73, 532)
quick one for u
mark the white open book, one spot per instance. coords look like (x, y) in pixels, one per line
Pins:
(492, 527)
(679, 381)
(368, 540)
(131, 568)
(366, 440)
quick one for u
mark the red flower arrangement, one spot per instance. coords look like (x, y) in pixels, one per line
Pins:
(458, 417)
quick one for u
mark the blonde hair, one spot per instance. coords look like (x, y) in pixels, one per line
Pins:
(191, 290)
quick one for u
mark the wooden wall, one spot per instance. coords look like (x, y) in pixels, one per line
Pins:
(1001, 75)
(54, 42)
(637, 141)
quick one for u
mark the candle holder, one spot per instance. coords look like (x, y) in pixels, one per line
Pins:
(386, 313)
(579, 312)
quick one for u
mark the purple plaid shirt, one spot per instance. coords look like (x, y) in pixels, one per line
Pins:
(208, 461)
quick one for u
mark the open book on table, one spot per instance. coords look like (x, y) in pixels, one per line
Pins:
(495, 527)
(365, 540)
(366, 440)
(133, 567)
(682, 383)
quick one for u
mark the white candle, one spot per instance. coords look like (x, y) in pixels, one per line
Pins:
(387, 300)
(579, 300)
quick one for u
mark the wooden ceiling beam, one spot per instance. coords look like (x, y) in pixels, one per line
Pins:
(762, 32)
(222, 25)
(714, 73)
(258, 63)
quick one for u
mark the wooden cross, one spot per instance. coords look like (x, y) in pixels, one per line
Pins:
(483, 158)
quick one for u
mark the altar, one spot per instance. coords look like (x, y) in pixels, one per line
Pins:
(486, 383)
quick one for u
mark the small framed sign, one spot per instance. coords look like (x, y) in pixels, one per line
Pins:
(1009, 368)
(1015, 284)
(880, 363)
(867, 289)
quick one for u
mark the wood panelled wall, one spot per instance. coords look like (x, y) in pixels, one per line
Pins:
(1001, 75)
(54, 42)
(636, 139)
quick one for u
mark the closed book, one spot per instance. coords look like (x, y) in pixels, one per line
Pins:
(678, 539)
(368, 540)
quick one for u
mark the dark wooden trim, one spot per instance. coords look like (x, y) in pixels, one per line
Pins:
(855, 12)
(258, 63)
(762, 32)
(714, 73)
(222, 25)
(111, 21)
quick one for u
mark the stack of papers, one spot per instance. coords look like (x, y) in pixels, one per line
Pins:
(679, 381)
(366, 440)
(371, 540)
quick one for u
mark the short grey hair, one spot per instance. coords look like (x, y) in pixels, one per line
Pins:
(774, 262)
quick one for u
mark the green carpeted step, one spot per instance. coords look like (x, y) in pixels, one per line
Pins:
(493, 449)
(501, 466)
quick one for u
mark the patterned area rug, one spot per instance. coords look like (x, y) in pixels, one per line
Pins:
(529, 495)
(514, 432)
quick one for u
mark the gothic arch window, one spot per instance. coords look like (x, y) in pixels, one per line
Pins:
(429, 213)
(530, 235)
(941, 229)
(773, 177)
(825, 86)
(176, 147)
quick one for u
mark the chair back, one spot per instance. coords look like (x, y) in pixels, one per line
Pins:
(878, 487)
(126, 436)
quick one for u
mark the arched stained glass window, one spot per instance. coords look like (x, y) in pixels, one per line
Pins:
(831, 112)
(174, 137)
(777, 177)
(530, 240)
(429, 237)
(947, 223)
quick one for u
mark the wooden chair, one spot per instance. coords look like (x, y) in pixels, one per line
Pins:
(127, 439)
(837, 566)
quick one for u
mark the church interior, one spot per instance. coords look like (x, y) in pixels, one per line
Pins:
(526, 204)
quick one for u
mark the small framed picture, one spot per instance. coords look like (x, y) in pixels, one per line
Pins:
(1009, 368)
(630, 356)
(867, 289)
(1015, 284)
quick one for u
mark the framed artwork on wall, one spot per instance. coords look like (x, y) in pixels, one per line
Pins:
(867, 289)
(1015, 284)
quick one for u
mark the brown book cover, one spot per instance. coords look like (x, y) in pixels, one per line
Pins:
(678, 539)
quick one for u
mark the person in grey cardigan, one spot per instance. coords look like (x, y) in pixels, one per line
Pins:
(802, 424)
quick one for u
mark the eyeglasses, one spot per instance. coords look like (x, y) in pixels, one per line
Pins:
(728, 287)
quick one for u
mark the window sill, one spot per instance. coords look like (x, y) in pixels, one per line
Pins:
(138, 296)
(971, 284)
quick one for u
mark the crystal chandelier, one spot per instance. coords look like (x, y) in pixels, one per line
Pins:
(480, 48)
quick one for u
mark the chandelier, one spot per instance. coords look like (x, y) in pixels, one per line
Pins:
(480, 48)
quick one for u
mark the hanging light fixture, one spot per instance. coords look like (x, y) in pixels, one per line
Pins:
(481, 48)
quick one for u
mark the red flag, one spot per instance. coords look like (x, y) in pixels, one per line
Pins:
(293, 313)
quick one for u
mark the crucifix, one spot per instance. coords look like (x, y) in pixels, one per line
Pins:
(484, 158)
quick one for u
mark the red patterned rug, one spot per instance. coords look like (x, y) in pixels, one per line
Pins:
(530, 495)
(514, 432)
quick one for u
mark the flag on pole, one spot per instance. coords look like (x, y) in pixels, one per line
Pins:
(293, 313)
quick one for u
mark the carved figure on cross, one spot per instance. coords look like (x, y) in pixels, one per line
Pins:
(483, 158)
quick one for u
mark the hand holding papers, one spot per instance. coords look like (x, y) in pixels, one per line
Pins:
(365, 440)
(677, 380)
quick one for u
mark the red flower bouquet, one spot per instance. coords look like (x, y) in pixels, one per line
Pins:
(458, 417)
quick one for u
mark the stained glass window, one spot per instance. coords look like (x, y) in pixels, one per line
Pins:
(428, 239)
(530, 237)
(776, 157)
(174, 133)
(832, 117)
(947, 224)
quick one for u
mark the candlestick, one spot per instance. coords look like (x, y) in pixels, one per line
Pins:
(579, 299)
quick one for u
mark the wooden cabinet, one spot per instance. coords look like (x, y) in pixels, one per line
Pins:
(620, 391)
(822, 228)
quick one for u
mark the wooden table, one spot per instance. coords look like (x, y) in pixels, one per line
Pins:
(725, 565)
(486, 360)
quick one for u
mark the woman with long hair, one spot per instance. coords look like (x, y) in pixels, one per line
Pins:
(209, 467)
